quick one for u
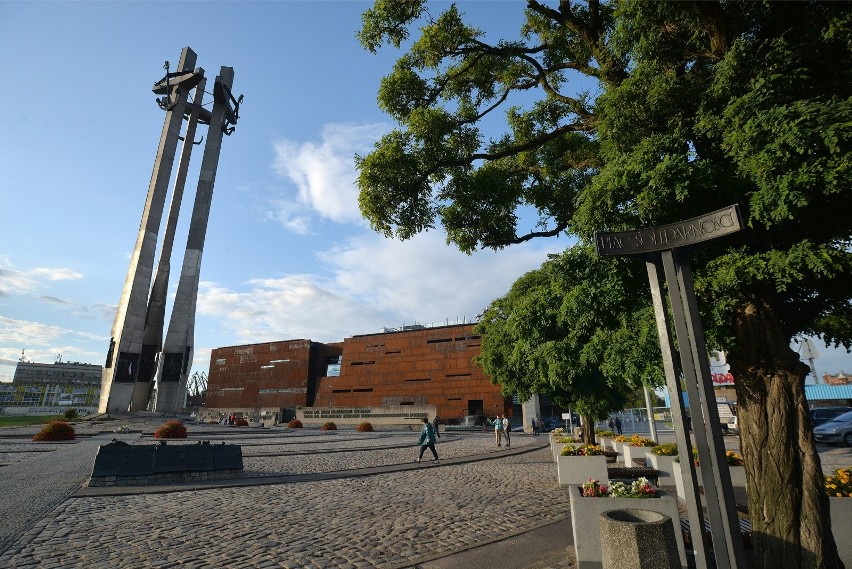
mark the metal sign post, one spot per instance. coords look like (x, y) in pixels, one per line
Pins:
(664, 250)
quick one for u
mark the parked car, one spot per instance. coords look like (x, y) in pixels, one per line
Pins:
(820, 415)
(836, 430)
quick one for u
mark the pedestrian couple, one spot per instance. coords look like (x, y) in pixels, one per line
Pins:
(501, 427)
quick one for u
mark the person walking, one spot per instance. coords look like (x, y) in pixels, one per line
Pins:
(618, 425)
(435, 426)
(498, 429)
(506, 431)
(427, 440)
(535, 426)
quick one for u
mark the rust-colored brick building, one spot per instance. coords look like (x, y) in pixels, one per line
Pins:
(413, 366)
(258, 378)
(416, 366)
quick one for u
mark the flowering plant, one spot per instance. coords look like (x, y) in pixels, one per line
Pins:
(840, 483)
(604, 433)
(620, 438)
(641, 488)
(733, 458)
(564, 440)
(558, 431)
(585, 450)
(637, 441)
(665, 449)
(594, 489)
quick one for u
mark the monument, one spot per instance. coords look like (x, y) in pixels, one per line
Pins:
(135, 356)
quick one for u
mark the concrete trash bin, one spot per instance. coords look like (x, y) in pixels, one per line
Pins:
(633, 538)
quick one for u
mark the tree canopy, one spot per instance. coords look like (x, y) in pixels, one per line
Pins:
(562, 330)
(695, 106)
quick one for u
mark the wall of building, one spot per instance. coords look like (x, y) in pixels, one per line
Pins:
(266, 376)
(428, 366)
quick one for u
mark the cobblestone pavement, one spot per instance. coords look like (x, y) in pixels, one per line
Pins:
(402, 515)
(389, 520)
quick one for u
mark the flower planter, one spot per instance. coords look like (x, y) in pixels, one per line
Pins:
(557, 447)
(841, 521)
(606, 443)
(665, 464)
(632, 453)
(618, 447)
(679, 484)
(573, 470)
(585, 515)
(738, 477)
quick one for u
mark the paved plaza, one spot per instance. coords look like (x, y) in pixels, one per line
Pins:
(309, 499)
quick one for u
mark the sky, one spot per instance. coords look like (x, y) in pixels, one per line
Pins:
(287, 253)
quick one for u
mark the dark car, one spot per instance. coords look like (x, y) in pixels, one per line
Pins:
(820, 415)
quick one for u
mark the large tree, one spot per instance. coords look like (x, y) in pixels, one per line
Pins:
(567, 330)
(696, 105)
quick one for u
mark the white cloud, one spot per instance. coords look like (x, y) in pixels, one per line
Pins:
(372, 283)
(324, 172)
(16, 281)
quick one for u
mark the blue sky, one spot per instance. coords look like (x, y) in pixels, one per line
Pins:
(287, 254)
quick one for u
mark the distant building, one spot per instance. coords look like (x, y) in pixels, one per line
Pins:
(49, 388)
(839, 379)
(411, 366)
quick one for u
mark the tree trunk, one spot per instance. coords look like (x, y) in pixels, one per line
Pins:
(588, 429)
(787, 502)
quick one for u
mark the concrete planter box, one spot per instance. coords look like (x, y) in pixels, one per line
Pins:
(665, 465)
(605, 442)
(557, 447)
(841, 521)
(678, 475)
(632, 453)
(585, 515)
(618, 447)
(738, 476)
(574, 470)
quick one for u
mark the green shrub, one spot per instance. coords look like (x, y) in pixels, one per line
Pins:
(365, 427)
(328, 426)
(171, 430)
(295, 424)
(70, 414)
(56, 431)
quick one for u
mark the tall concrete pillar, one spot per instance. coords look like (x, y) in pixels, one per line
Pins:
(530, 409)
(123, 357)
(176, 360)
(155, 317)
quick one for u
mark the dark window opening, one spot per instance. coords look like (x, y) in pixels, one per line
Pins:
(458, 375)
(420, 379)
(439, 341)
(341, 391)
(362, 363)
(363, 390)
(407, 403)
(393, 352)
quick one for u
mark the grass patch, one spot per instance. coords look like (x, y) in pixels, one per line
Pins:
(7, 421)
